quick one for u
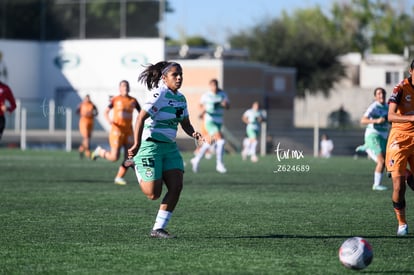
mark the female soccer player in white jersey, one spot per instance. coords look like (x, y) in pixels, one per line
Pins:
(252, 118)
(156, 156)
(213, 104)
(376, 134)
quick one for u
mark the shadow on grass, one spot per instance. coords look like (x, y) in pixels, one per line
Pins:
(389, 272)
(283, 236)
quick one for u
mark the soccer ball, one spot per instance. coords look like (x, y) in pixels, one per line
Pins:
(355, 253)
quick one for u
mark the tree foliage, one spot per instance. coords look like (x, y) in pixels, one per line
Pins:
(307, 41)
(378, 26)
(311, 41)
(74, 19)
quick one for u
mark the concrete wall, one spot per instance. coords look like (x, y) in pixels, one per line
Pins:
(68, 70)
(317, 108)
(244, 83)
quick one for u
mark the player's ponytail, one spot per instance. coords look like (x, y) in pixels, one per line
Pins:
(153, 73)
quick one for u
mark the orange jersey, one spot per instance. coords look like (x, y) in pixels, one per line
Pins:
(86, 127)
(122, 110)
(403, 96)
(87, 110)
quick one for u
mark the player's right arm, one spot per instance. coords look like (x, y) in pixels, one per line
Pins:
(245, 119)
(11, 100)
(106, 115)
(225, 102)
(394, 100)
(139, 127)
(366, 120)
(393, 116)
(78, 109)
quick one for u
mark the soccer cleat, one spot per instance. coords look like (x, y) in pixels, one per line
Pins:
(379, 188)
(220, 168)
(95, 153)
(161, 234)
(194, 163)
(120, 181)
(402, 230)
(254, 159)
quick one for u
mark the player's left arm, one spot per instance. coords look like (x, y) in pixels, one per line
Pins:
(394, 117)
(139, 128)
(225, 103)
(137, 106)
(189, 129)
(245, 119)
(368, 120)
(12, 101)
(95, 110)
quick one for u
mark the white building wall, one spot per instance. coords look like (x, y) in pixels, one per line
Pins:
(68, 70)
(22, 60)
(352, 97)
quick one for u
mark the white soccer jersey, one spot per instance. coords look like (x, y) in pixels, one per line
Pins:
(253, 118)
(376, 110)
(166, 109)
(212, 105)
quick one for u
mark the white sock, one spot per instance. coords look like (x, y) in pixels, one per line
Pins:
(162, 219)
(137, 174)
(246, 145)
(377, 178)
(220, 150)
(253, 147)
(202, 151)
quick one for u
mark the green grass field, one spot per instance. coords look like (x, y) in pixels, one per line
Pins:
(61, 215)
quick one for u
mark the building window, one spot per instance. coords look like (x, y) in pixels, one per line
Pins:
(279, 84)
(392, 78)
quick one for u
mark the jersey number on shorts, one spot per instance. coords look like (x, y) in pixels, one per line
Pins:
(148, 162)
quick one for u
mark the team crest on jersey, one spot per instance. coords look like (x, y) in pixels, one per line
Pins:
(148, 172)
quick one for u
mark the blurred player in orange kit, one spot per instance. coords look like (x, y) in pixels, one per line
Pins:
(87, 112)
(400, 146)
(121, 134)
(6, 94)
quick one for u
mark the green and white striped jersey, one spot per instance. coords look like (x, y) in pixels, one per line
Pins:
(212, 105)
(376, 110)
(253, 117)
(166, 109)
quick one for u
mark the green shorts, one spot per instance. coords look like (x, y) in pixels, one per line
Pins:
(376, 143)
(251, 132)
(212, 127)
(153, 158)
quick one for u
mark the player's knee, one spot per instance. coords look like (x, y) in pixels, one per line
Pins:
(177, 188)
(153, 197)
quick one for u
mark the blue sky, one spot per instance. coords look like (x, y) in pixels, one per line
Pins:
(217, 19)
